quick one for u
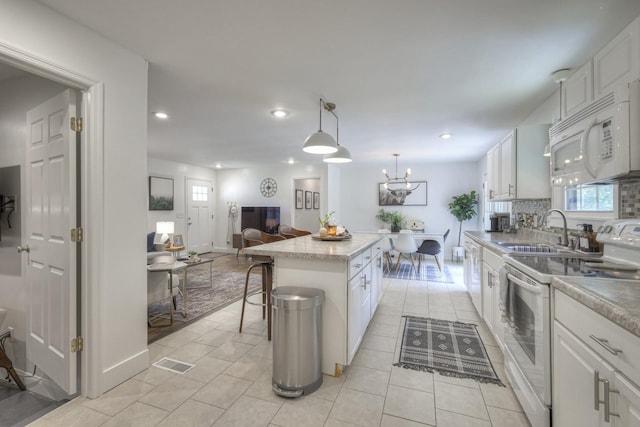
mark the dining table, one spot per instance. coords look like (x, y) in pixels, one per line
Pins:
(421, 236)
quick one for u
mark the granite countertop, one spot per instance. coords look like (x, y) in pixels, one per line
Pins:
(617, 300)
(306, 247)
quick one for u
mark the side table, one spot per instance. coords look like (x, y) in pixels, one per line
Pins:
(169, 267)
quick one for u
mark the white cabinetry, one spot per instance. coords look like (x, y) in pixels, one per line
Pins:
(618, 62)
(595, 369)
(473, 272)
(365, 289)
(492, 263)
(517, 168)
(577, 91)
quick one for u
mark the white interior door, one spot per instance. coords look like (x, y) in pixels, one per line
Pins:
(50, 216)
(199, 216)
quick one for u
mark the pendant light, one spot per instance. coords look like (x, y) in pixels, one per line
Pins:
(342, 155)
(320, 142)
(399, 180)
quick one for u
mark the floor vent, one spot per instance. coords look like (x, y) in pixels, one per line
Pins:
(173, 365)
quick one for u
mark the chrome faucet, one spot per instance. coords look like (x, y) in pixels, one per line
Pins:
(565, 234)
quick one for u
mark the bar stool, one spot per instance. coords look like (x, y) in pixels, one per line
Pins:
(254, 237)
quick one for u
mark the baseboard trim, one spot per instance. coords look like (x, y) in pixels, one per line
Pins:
(124, 370)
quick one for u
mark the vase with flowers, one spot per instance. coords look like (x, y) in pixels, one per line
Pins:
(327, 224)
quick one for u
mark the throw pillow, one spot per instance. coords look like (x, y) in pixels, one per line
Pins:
(150, 238)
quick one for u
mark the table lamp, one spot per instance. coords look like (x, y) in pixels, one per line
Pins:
(164, 228)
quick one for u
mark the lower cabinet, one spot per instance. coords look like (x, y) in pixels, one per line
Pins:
(359, 309)
(491, 265)
(588, 389)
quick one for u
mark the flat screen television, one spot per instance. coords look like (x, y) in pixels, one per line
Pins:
(266, 219)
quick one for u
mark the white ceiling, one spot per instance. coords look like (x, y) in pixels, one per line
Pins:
(401, 72)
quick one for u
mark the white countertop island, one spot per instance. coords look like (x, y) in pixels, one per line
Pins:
(349, 272)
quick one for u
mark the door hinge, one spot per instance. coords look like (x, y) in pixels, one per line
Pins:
(77, 235)
(76, 124)
(77, 344)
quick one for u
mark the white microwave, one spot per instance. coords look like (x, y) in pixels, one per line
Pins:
(601, 142)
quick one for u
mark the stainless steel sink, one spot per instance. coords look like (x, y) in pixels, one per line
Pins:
(538, 248)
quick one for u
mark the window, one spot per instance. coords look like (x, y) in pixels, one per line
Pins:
(199, 193)
(589, 198)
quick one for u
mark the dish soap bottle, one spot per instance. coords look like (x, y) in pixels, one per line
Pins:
(588, 242)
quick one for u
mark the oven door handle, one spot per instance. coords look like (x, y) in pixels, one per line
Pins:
(531, 288)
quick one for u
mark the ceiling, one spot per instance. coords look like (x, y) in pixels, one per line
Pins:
(400, 72)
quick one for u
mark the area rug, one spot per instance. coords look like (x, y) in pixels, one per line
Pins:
(228, 287)
(452, 349)
(427, 272)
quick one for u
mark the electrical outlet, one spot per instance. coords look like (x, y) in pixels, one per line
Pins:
(10, 333)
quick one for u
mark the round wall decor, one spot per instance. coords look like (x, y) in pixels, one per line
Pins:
(268, 187)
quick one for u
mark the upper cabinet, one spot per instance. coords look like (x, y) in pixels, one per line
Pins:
(618, 62)
(517, 168)
(577, 91)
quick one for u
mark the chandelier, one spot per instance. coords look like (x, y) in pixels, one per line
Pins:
(399, 180)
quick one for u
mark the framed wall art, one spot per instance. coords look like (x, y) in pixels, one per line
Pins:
(397, 194)
(316, 200)
(299, 199)
(308, 202)
(176, 241)
(160, 194)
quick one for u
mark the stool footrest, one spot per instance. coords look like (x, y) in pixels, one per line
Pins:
(254, 294)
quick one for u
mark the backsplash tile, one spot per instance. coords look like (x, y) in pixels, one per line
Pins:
(630, 200)
(529, 213)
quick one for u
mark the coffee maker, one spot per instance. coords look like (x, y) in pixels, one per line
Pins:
(499, 221)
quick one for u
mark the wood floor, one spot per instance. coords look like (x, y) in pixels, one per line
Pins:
(222, 262)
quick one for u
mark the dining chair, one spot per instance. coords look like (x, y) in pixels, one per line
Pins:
(255, 237)
(289, 232)
(387, 247)
(405, 245)
(431, 247)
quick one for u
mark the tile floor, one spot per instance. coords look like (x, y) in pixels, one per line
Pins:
(231, 382)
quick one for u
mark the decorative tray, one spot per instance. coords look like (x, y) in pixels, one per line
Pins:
(330, 238)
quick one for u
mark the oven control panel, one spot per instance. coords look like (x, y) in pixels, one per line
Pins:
(621, 232)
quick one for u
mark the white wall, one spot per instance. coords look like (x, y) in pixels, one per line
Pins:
(243, 187)
(307, 219)
(114, 318)
(359, 197)
(179, 172)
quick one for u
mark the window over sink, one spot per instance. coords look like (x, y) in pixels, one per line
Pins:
(589, 198)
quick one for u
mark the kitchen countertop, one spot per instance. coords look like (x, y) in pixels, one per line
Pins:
(617, 300)
(306, 247)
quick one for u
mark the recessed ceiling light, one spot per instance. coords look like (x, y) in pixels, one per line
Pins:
(161, 115)
(445, 135)
(279, 113)
(218, 166)
(290, 161)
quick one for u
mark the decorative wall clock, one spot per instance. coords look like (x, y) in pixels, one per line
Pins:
(268, 187)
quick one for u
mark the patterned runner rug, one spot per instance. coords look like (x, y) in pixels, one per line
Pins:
(427, 272)
(452, 349)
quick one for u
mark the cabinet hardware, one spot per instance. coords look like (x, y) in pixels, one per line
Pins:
(364, 281)
(24, 248)
(367, 258)
(605, 344)
(510, 186)
(357, 265)
(607, 402)
(596, 390)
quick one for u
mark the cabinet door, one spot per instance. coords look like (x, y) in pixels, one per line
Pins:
(575, 388)
(359, 309)
(618, 62)
(627, 402)
(493, 170)
(577, 91)
(376, 282)
(488, 296)
(507, 167)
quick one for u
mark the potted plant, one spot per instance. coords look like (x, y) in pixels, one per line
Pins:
(394, 218)
(463, 207)
(325, 222)
(193, 256)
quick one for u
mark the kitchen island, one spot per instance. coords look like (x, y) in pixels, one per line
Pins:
(350, 274)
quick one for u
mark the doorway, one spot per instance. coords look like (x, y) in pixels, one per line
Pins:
(199, 198)
(22, 91)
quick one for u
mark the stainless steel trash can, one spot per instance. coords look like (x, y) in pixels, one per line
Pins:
(297, 340)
